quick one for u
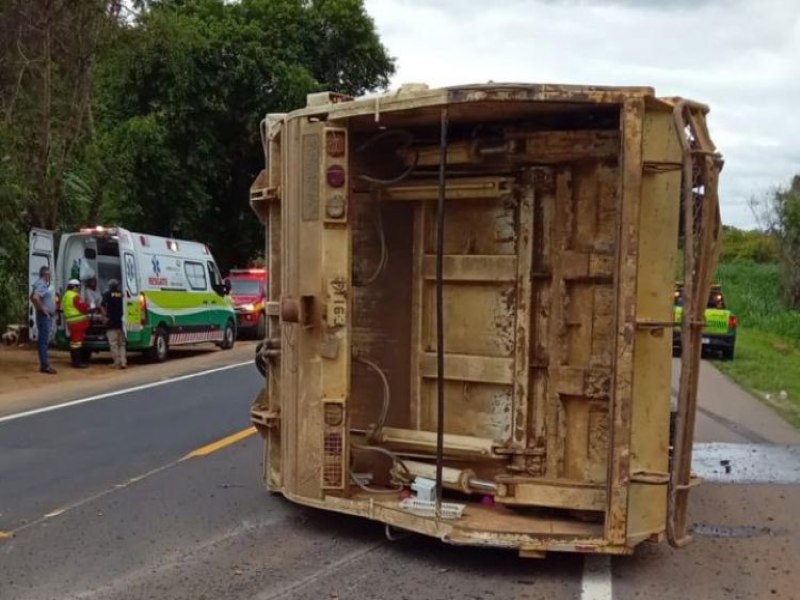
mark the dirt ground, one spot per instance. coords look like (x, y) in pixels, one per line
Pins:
(22, 386)
(19, 368)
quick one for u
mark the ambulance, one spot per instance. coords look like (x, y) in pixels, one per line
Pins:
(174, 293)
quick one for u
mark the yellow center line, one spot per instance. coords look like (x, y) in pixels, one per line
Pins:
(220, 444)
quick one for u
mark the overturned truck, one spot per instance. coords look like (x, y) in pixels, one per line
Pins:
(470, 310)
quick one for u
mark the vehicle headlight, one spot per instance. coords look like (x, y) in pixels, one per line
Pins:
(248, 307)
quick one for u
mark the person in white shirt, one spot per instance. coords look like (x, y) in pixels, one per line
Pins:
(92, 296)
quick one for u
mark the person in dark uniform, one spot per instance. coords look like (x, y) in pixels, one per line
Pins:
(112, 305)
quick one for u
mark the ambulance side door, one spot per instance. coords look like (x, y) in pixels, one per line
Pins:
(41, 253)
(132, 306)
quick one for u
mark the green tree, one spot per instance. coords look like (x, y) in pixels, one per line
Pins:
(739, 245)
(780, 214)
(180, 99)
(786, 207)
(146, 113)
(49, 51)
(48, 54)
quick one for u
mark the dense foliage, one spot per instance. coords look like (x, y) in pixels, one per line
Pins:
(786, 207)
(146, 114)
(753, 291)
(779, 214)
(740, 245)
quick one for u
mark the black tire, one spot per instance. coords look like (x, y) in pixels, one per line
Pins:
(261, 363)
(86, 355)
(261, 327)
(160, 350)
(727, 353)
(228, 336)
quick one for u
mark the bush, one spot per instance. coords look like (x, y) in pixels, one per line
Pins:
(780, 213)
(753, 292)
(748, 246)
(13, 285)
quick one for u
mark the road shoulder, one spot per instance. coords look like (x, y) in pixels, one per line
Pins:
(34, 392)
(729, 413)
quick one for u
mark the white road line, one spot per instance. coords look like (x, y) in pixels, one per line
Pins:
(138, 388)
(596, 584)
(65, 509)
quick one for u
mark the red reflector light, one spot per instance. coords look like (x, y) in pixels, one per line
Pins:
(336, 176)
(732, 322)
(335, 143)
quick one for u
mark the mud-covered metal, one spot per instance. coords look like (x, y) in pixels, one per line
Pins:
(519, 342)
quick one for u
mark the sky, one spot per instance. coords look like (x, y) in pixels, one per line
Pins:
(740, 57)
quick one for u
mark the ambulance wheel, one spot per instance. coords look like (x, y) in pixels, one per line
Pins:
(86, 355)
(261, 328)
(160, 349)
(228, 336)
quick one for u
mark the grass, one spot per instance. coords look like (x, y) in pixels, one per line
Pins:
(753, 291)
(768, 338)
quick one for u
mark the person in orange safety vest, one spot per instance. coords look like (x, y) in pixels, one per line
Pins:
(76, 315)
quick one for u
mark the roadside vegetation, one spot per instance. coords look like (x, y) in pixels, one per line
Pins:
(145, 113)
(758, 288)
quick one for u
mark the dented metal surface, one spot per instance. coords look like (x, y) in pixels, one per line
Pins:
(560, 241)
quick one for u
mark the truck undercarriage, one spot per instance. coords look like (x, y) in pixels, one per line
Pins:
(470, 310)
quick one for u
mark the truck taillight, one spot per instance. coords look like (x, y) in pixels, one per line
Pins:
(142, 309)
(336, 176)
(58, 302)
(732, 322)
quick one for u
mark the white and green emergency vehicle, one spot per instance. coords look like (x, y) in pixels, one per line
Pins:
(174, 293)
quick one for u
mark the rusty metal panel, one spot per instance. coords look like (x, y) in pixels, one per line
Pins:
(625, 289)
(302, 436)
(335, 322)
(311, 175)
(658, 230)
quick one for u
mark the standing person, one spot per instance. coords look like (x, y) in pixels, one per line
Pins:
(94, 299)
(92, 296)
(42, 298)
(112, 304)
(76, 316)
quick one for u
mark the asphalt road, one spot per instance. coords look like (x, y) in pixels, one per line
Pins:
(131, 518)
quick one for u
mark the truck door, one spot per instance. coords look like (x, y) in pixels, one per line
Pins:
(131, 306)
(40, 254)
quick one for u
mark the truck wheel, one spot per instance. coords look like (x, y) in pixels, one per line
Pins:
(160, 349)
(86, 355)
(727, 353)
(228, 336)
(261, 328)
